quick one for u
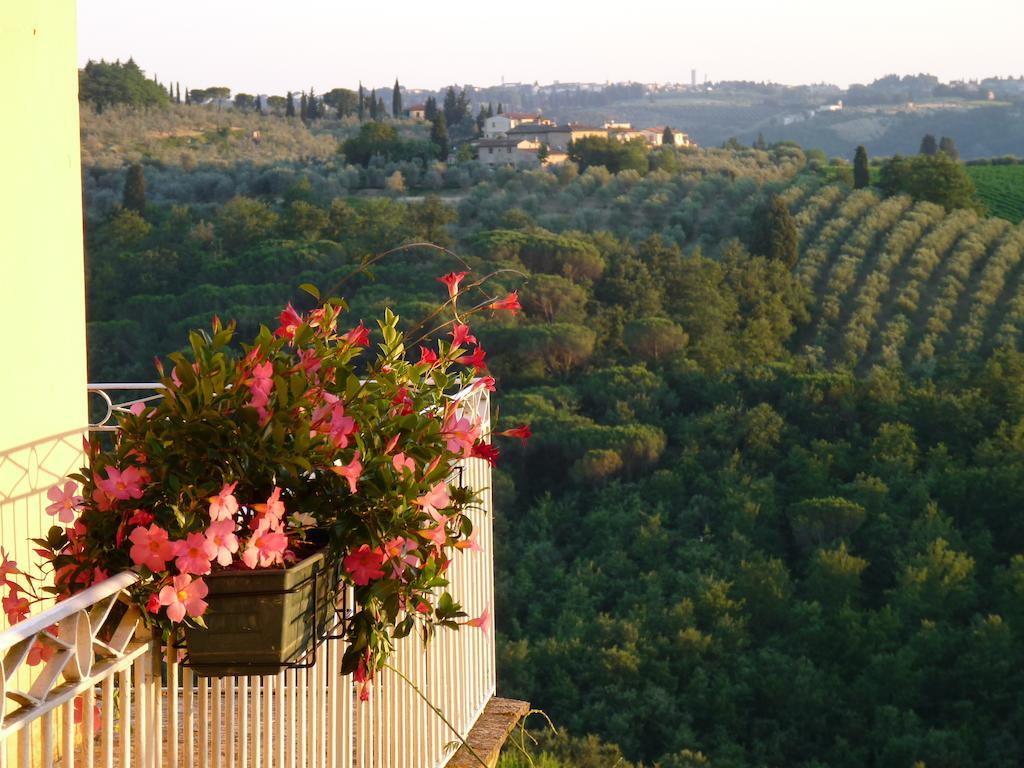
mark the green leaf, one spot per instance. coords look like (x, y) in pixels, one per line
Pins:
(311, 289)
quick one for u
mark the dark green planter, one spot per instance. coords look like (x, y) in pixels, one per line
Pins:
(260, 621)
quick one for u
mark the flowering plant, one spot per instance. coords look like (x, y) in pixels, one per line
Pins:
(253, 456)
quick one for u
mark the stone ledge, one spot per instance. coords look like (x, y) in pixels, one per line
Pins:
(490, 732)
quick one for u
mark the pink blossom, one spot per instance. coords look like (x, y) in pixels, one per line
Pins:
(221, 535)
(97, 721)
(486, 452)
(427, 356)
(184, 596)
(151, 548)
(402, 462)
(123, 485)
(484, 382)
(470, 543)
(510, 302)
(330, 418)
(460, 434)
(460, 335)
(153, 604)
(194, 554)
(399, 552)
(476, 359)
(290, 322)
(483, 621)
(15, 605)
(40, 653)
(437, 498)
(364, 564)
(350, 472)
(140, 517)
(274, 508)
(437, 534)
(65, 501)
(523, 433)
(452, 280)
(266, 546)
(358, 336)
(224, 505)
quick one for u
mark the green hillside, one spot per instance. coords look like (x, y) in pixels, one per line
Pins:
(1001, 189)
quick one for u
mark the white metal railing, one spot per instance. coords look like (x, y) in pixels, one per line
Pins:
(108, 694)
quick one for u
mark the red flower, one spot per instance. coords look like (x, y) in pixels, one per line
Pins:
(358, 336)
(476, 359)
(290, 322)
(452, 280)
(522, 433)
(487, 382)
(427, 356)
(486, 452)
(461, 335)
(364, 564)
(510, 302)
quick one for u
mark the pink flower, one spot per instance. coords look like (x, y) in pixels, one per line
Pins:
(437, 498)
(221, 536)
(194, 554)
(153, 604)
(470, 543)
(399, 553)
(476, 359)
(65, 502)
(485, 382)
(437, 534)
(402, 462)
(486, 452)
(452, 280)
(266, 546)
(290, 322)
(358, 336)
(523, 433)
(140, 517)
(97, 721)
(15, 605)
(460, 434)
(427, 356)
(274, 508)
(331, 418)
(483, 621)
(460, 335)
(510, 302)
(184, 596)
(39, 653)
(123, 485)
(151, 548)
(8, 568)
(224, 505)
(364, 564)
(350, 472)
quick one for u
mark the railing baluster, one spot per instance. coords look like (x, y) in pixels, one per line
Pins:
(229, 720)
(217, 742)
(243, 722)
(107, 712)
(67, 727)
(204, 724)
(188, 712)
(172, 707)
(46, 739)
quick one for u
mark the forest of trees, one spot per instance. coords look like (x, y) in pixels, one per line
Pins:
(769, 515)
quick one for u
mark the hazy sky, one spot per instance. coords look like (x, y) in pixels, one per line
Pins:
(270, 46)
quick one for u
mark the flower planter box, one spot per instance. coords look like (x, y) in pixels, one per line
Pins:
(261, 621)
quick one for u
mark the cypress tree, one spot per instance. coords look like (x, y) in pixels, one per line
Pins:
(861, 174)
(668, 138)
(361, 102)
(303, 108)
(775, 234)
(430, 109)
(760, 142)
(289, 109)
(439, 135)
(948, 147)
(188, 96)
(396, 101)
(177, 93)
(500, 110)
(134, 195)
(929, 146)
(373, 104)
(382, 111)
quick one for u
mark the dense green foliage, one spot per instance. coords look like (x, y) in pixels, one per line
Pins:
(105, 85)
(770, 514)
(935, 177)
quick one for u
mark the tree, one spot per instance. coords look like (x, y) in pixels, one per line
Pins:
(289, 110)
(134, 196)
(303, 108)
(177, 93)
(373, 104)
(542, 153)
(105, 84)
(775, 234)
(430, 109)
(244, 102)
(760, 143)
(937, 179)
(654, 338)
(188, 96)
(948, 146)
(501, 110)
(929, 147)
(396, 101)
(361, 103)
(861, 173)
(451, 106)
(439, 136)
(343, 100)
(313, 106)
(668, 138)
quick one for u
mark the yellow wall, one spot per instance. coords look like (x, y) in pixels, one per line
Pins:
(42, 294)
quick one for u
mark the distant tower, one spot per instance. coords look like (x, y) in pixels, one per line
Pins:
(693, 78)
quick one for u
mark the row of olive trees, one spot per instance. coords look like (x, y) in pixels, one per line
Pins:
(831, 235)
(815, 211)
(935, 317)
(991, 286)
(867, 303)
(854, 259)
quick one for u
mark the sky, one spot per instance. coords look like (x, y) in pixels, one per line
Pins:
(270, 46)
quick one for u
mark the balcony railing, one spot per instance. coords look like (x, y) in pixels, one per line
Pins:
(84, 683)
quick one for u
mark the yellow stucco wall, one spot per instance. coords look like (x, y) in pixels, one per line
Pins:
(42, 294)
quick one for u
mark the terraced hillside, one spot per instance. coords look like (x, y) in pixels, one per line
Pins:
(898, 282)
